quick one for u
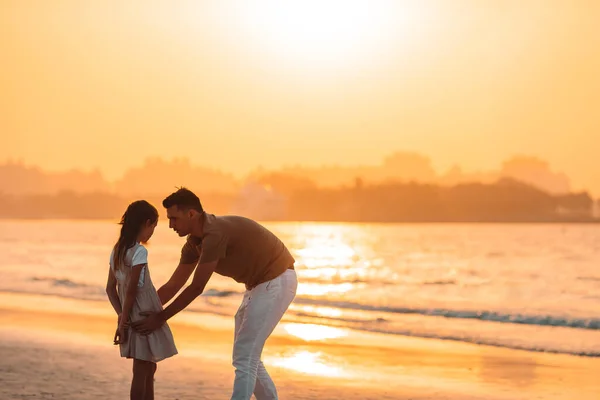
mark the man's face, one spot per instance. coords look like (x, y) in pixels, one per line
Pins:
(180, 220)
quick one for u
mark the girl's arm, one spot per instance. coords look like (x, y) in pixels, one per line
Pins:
(111, 291)
(131, 292)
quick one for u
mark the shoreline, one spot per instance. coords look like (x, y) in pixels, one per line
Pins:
(196, 316)
(303, 359)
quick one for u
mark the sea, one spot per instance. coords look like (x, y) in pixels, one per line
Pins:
(534, 287)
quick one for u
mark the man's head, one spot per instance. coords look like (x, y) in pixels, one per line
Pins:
(183, 211)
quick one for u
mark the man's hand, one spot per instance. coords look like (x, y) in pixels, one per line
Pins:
(152, 322)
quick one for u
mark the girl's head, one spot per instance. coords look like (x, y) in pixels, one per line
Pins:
(137, 225)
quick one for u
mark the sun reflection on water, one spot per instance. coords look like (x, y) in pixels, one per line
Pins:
(310, 332)
(330, 262)
(307, 362)
(320, 289)
(319, 252)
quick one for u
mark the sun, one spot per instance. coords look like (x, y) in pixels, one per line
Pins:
(326, 33)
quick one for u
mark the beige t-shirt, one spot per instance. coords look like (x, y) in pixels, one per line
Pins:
(247, 251)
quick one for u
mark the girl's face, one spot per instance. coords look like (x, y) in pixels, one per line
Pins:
(147, 231)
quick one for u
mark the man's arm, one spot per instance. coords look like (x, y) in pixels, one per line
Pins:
(195, 289)
(178, 279)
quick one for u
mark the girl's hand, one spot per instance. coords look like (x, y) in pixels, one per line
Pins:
(117, 339)
(122, 331)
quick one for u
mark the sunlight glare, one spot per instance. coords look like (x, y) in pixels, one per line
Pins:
(309, 363)
(325, 253)
(317, 289)
(310, 332)
(324, 34)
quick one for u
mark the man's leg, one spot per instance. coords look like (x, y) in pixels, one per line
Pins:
(239, 315)
(265, 306)
(265, 387)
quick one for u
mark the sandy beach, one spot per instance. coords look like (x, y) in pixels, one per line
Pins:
(68, 354)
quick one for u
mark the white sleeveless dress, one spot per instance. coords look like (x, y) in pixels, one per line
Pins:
(159, 344)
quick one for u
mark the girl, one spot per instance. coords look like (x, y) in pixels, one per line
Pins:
(136, 294)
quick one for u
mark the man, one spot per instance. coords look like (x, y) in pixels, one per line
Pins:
(242, 249)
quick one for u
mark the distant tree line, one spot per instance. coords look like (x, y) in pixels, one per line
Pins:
(506, 200)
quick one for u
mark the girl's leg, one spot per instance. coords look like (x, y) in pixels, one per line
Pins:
(141, 371)
(150, 383)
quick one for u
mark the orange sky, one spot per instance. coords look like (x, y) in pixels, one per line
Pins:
(101, 84)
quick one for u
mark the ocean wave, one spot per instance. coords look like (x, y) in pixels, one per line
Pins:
(339, 319)
(343, 279)
(440, 282)
(220, 293)
(480, 341)
(402, 281)
(67, 288)
(68, 283)
(59, 287)
(61, 282)
(493, 316)
(91, 295)
(589, 278)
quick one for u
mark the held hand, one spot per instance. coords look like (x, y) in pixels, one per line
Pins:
(152, 322)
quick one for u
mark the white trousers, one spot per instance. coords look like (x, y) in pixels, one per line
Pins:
(260, 311)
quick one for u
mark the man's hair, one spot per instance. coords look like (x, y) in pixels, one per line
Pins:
(184, 199)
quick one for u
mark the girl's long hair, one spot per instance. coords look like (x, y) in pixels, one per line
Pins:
(132, 222)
